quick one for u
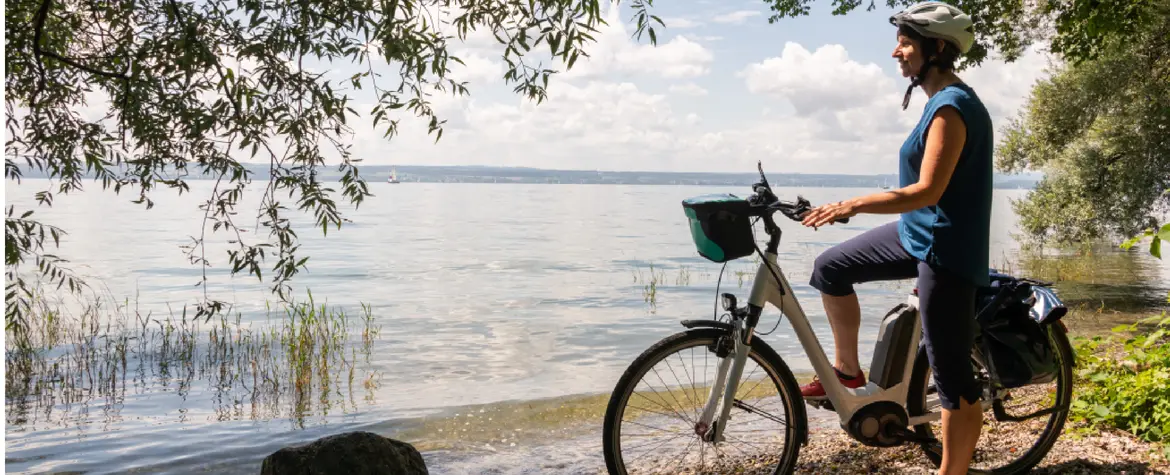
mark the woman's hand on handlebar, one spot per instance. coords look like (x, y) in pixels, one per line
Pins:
(829, 213)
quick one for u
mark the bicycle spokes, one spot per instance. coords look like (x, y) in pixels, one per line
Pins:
(662, 426)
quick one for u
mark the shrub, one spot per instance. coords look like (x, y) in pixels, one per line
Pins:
(1126, 384)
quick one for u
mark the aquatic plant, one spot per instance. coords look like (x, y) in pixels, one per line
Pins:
(303, 360)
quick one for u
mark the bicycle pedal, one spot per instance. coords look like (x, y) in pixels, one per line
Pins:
(821, 404)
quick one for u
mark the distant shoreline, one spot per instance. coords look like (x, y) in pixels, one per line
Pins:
(408, 174)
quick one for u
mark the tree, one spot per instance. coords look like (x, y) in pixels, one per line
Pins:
(1074, 29)
(198, 88)
(1100, 130)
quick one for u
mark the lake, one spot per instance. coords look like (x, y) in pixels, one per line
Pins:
(506, 314)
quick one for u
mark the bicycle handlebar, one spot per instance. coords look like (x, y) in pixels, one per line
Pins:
(767, 202)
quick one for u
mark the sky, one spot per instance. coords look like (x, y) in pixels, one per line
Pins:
(722, 89)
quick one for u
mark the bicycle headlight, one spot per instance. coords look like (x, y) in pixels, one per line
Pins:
(728, 302)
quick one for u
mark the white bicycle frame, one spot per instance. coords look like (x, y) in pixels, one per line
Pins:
(845, 401)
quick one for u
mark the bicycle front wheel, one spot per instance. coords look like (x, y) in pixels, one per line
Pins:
(651, 424)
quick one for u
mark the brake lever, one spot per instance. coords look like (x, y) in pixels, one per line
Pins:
(790, 210)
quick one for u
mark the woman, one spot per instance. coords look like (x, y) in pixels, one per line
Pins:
(941, 237)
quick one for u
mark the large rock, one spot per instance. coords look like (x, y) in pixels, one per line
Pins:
(351, 453)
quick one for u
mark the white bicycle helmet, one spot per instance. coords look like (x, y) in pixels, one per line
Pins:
(935, 20)
(938, 20)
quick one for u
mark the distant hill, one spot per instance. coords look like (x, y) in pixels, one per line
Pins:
(494, 174)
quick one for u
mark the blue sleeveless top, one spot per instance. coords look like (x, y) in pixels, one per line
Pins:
(955, 233)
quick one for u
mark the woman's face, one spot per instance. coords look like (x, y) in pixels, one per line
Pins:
(909, 56)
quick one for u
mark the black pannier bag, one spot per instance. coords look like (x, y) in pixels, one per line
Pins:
(1013, 317)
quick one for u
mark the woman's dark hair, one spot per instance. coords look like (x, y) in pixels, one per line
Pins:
(944, 60)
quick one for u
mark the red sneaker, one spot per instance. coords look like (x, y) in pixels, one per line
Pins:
(816, 392)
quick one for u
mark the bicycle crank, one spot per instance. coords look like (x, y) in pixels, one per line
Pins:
(908, 435)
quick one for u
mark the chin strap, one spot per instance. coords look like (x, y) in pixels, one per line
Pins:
(918, 79)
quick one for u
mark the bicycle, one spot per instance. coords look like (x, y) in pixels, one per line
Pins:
(892, 409)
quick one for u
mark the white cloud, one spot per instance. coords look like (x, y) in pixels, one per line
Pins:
(688, 89)
(598, 125)
(615, 53)
(477, 69)
(593, 116)
(702, 38)
(825, 79)
(680, 23)
(736, 17)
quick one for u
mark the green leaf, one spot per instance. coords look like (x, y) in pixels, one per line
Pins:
(1156, 247)
(1164, 233)
(1155, 337)
(1129, 243)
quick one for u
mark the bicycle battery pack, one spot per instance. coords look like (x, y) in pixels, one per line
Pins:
(892, 348)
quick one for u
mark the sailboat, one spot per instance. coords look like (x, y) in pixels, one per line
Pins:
(393, 176)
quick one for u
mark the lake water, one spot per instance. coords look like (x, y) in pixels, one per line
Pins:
(504, 300)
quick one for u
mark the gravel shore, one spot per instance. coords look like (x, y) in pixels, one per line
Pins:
(1077, 451)
(831, 451)
(1108, 452)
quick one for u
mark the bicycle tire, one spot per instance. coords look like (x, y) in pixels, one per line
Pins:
(1048, 437)
(797, 424)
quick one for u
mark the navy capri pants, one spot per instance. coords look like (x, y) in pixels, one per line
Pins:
(946, 302)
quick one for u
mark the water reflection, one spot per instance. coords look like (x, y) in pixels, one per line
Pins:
(1102, 285)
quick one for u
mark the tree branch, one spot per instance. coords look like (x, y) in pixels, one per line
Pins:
(39, 27)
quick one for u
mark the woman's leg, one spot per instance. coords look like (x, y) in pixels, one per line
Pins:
(948, 325)
(845, 320)
(876, 254)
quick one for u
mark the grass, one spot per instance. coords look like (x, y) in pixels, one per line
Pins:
(650, 284)
(305, 359)
(655, 277)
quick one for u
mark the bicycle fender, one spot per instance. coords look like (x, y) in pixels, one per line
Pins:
(707, 324)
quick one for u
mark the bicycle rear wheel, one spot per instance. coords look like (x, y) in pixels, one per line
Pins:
(1003, 446)
(650, 423)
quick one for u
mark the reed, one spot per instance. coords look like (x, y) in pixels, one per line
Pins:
(303, 359)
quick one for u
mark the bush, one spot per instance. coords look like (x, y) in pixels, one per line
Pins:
(1127, 385)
